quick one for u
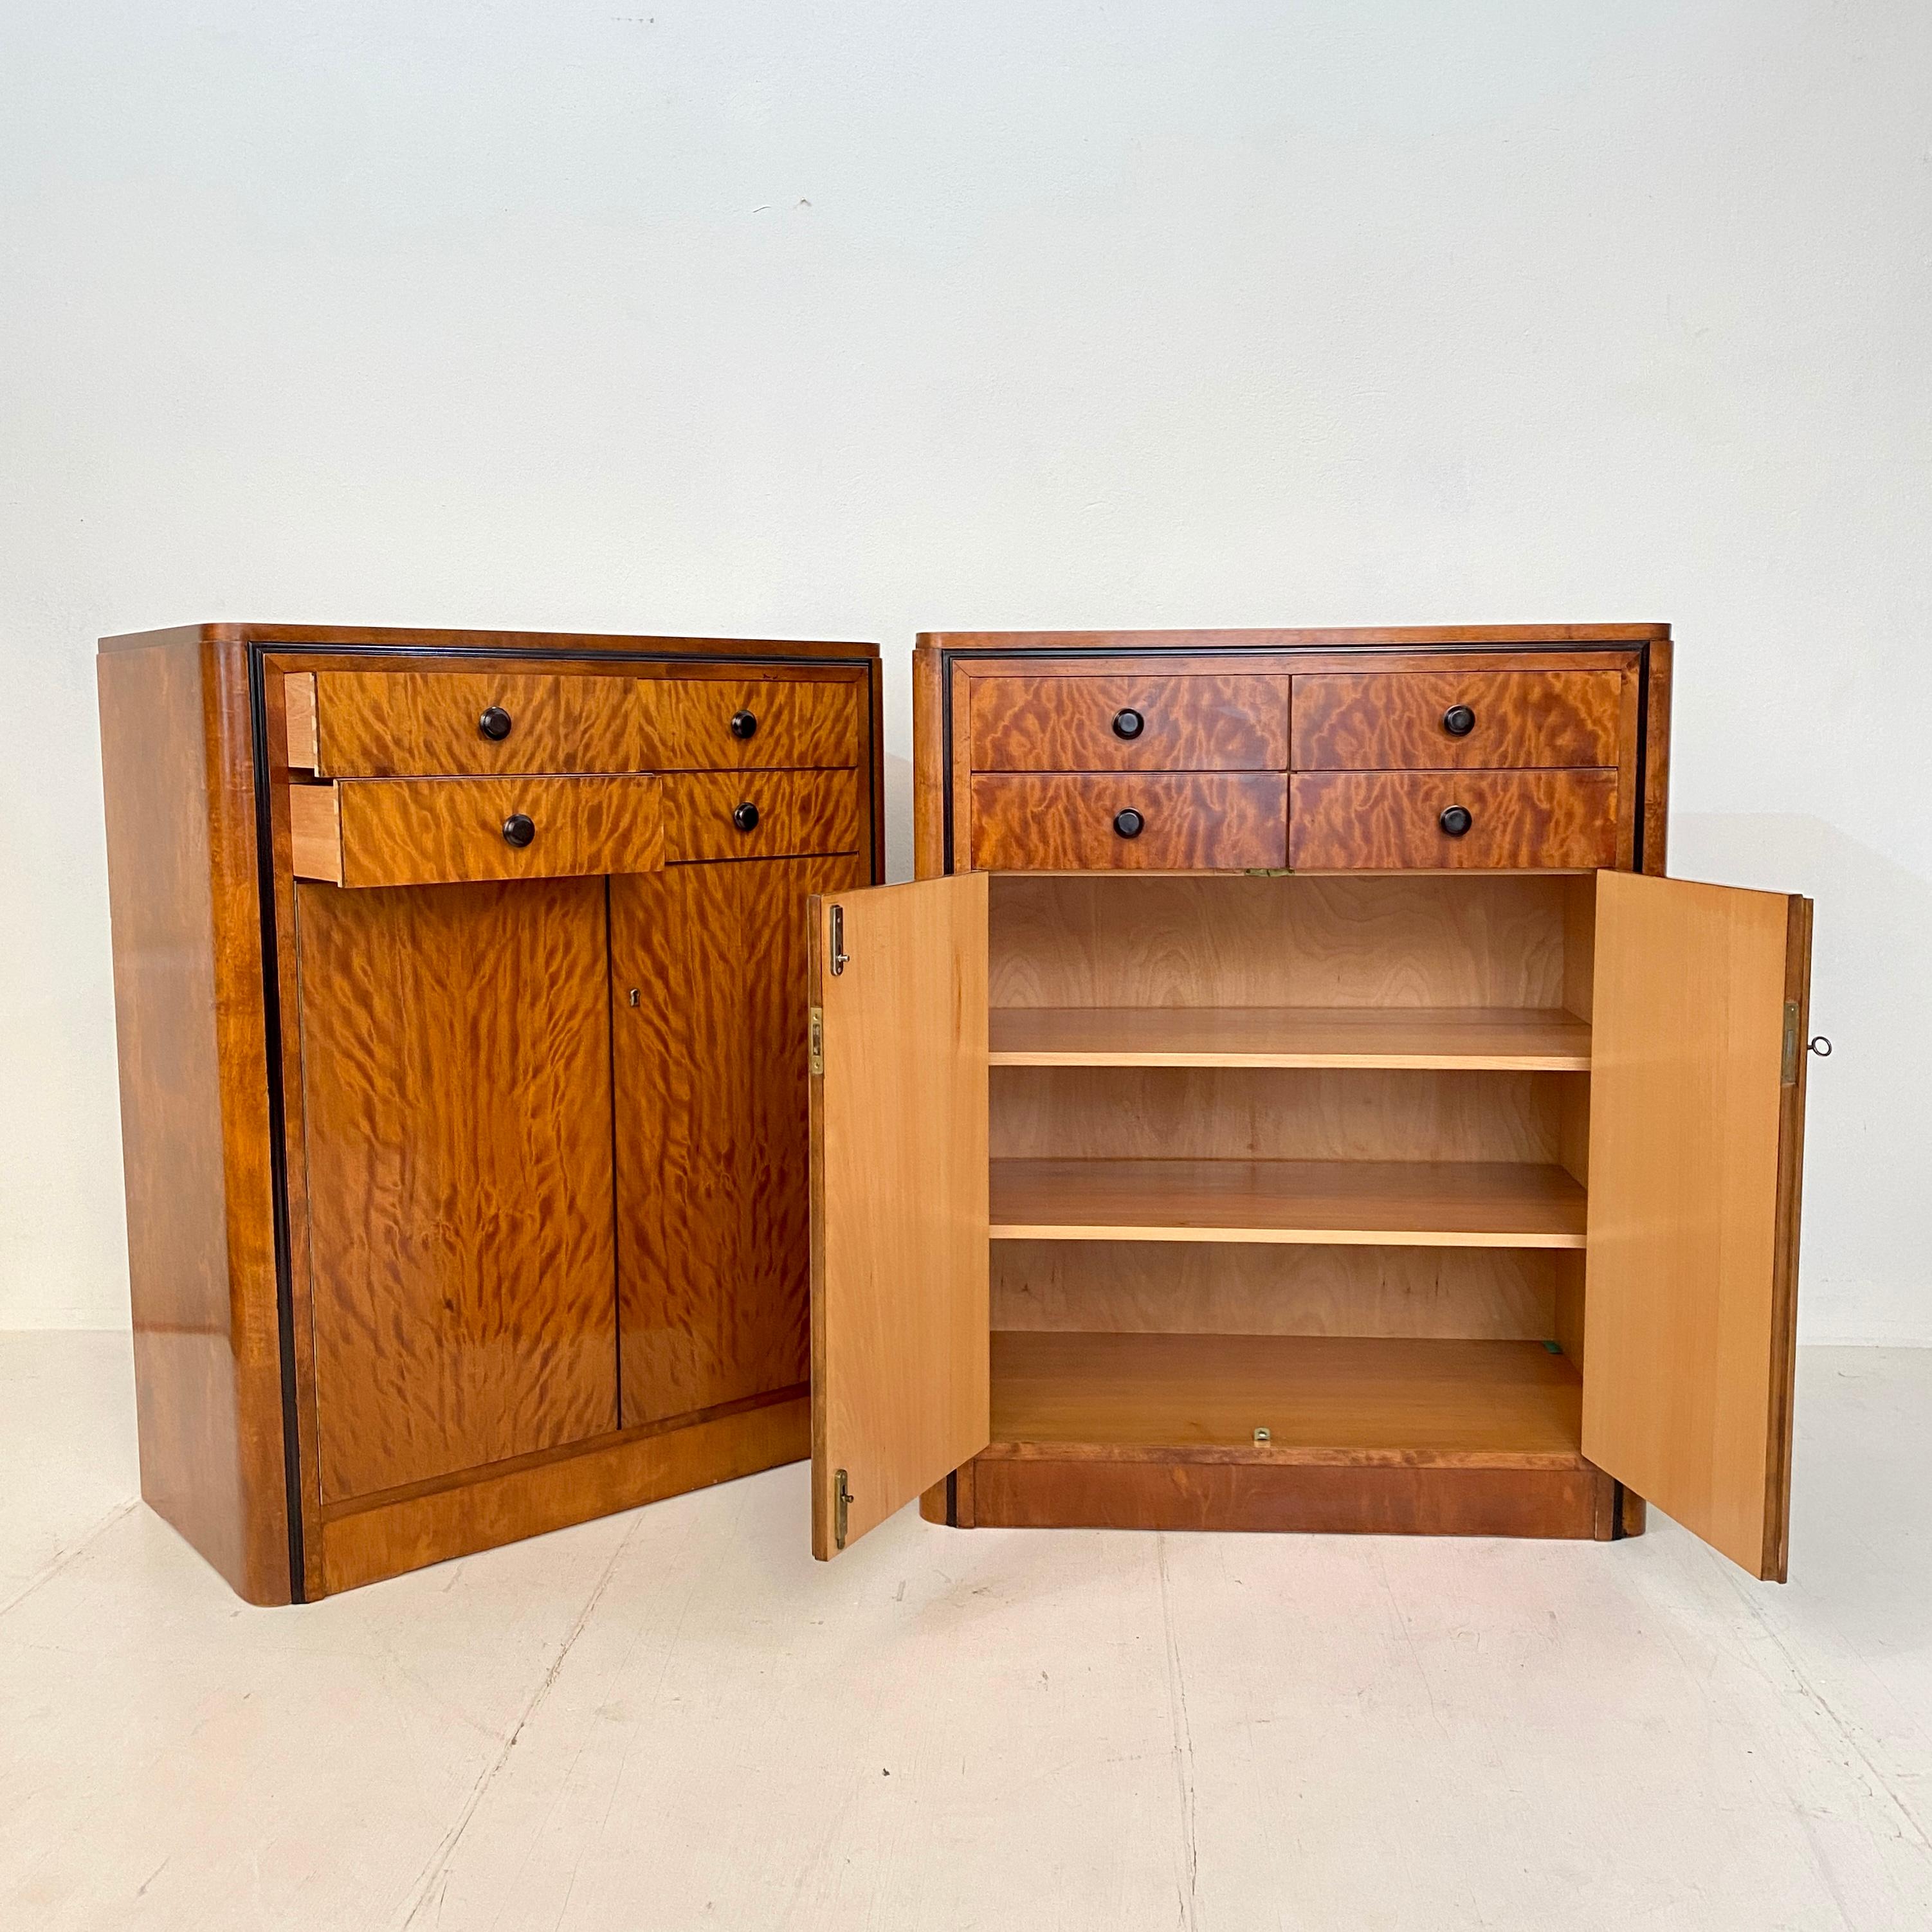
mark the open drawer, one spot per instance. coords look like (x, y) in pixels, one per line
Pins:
(425, 832)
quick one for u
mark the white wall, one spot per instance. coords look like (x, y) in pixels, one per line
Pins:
(853, 320)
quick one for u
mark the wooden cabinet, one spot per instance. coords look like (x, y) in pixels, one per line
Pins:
(1418, 1191)
(462, 1013)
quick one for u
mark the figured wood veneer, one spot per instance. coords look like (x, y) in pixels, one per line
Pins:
(804, 722)
(415, 832)
(1365, 821)
(1040, 822)
(799, 812)
(1393, 720)
(456, 1062)
(423, 723)
(713, 1186)
(1204, 724)
(1448, 1204)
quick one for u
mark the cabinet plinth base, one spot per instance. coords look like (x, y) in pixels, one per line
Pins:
(1032, 1491)
(387, 1536)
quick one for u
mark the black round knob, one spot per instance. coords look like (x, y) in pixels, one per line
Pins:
(494, 723)
(745, 817)
(519, 829)
(1128, 823)
(743, 723)
(1459, 720)
(1456, 820)
(1129, 724)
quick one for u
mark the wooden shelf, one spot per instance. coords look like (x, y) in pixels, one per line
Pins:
(1516, 1038)
(1324, 1398)
(1357, 1203)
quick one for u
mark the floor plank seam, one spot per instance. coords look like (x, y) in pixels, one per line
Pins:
(445, 1854)
(72, 1553)
(1183, 1738)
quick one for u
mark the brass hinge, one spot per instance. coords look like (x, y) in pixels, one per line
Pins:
(817, 1042)
(1788, 1077)
(841, 1497)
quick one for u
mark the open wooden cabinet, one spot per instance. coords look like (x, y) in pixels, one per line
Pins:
(1426, 1202)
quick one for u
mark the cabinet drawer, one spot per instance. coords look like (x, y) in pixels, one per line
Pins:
(1073, 822)
(1377, 821)
(1424, 720)
(1129, 723)
(790, 814)
(424, 832)
(434, 723)
(735, 723)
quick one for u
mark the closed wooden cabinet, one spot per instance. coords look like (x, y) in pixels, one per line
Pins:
(1431, 1189)
(462, 997)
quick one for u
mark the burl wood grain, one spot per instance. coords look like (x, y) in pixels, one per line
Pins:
(1372, 821)
(1065, 822)
(1232, 723)
(800, 813)
(1393, 721)
(800, 722)
(457, 1088)
(188, 1015)
(425, 723)
(406, 831)
(713, 1179)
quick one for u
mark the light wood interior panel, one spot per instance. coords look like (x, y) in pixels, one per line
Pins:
(1370, 1204)
(456, 1087)
(1240, 1289)
(1688, 1307)
(1545, 1038)
(899, 1190)
(1141, 1113)
(1435, 1401)
(1107, 940)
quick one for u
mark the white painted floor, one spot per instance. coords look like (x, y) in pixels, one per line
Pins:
(676, 1719)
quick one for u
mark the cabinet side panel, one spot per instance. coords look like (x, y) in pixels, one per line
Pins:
(206, 1355)
(929, 753)
(1657, 760)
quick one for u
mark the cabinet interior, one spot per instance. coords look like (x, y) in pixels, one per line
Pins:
(1304, 1156)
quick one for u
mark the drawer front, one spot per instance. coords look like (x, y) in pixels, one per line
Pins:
(1426, 720)
(738, 724)
(422, 831)
(790, 814)
(429, 724)
(1136, 724)
(1071, 822)
(1391, 821)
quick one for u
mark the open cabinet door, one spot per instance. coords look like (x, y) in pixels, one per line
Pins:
(900, 1337)
(1697, 1130)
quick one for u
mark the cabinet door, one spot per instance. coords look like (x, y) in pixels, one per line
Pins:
(708, 988)
(456, 1094)
(900, 1341)
(1697, 1125)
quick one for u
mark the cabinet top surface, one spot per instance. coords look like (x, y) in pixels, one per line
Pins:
(1329, 638)
(552, 644)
